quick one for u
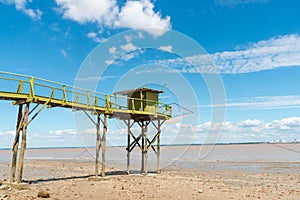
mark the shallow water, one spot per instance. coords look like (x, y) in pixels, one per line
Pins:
(223, 156)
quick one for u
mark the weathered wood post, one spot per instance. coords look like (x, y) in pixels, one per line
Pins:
(103, 145)
(98, 144)
(128, 146)
(16, 144)
(23, 144)
(143, 149)
(158, 147)
(146, 147)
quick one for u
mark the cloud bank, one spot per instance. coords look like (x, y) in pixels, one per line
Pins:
(280, 51)
(260, 103)
(286, 129)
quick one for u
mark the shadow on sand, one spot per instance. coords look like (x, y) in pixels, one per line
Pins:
(107, 174)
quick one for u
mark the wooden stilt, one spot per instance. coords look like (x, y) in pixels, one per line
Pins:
(16, 144)
(128, 147)
(23, 144)
(98, 144)
(103, 145)
(146, 147)
(158, 147)
(143, 150)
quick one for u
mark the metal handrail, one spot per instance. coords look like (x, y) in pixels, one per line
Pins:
(91, 97)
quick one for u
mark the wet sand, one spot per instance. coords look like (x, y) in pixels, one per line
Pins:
(195, 179)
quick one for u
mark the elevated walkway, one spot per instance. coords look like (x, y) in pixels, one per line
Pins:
(26, 89)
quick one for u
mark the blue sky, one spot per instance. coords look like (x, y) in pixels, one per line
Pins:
(255, 45)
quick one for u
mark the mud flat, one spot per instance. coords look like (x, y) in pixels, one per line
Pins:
(188, 177)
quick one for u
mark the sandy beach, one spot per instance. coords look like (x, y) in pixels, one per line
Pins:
(222, 179)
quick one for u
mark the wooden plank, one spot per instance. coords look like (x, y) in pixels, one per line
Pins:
(152, 142)
(135, 142)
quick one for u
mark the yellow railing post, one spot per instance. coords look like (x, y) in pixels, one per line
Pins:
(115, 101)
(88, 99)
(64, 94)
(108, 104)
(20, 87)
(96, 101)
(141, 98)
(31, 89)
(76, 98)
(155, 109)
(169, 111)
(52, 93)
(132, 105)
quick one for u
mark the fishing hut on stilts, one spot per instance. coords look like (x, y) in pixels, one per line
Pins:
(142, 108)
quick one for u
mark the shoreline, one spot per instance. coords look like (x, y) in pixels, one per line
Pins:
(220, 172)
(245, 171)
(223, 153)
(168, 145)
(211, 181)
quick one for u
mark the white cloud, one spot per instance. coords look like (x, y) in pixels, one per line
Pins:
(63, 137)
(63, 132)
(21, 5)
(128, 47)
(141, 15)
(168, 48)
(128, 38)
(95, 78)
(64, 53)
(88, 11)
(54, 27)
(128, 56)
(109, 62)
(140, 35)
(106, 13)
(287, 124)
(246, 130)
(281, 51)
(91, 35)
(99, 40)
(8, 133)
(95, 38)
(112, 50)
(261, 103)
(232, 3)
(125, 52)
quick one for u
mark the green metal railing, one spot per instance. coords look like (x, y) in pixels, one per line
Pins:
(31, 89)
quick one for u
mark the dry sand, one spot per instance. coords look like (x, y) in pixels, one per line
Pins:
(210, 180)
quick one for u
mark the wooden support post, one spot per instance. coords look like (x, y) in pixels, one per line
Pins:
(23, 144)
(16, 144)
(103, 145)
(98, 144)
(143, 150)
(158, 147)
(128, 147)
(146, 147)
